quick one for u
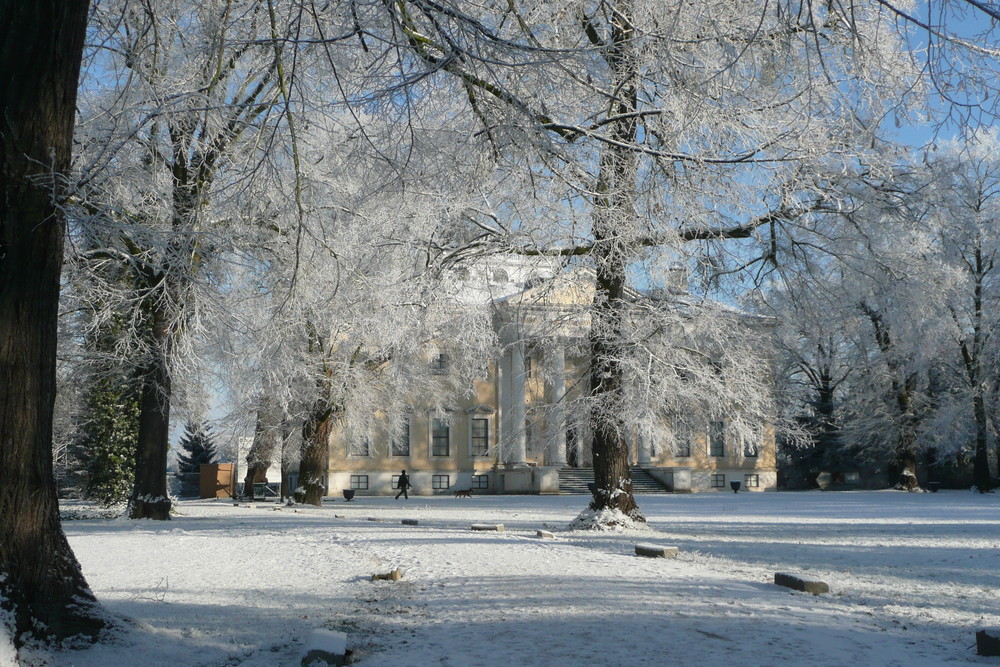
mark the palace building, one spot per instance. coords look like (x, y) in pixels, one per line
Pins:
(520, 430)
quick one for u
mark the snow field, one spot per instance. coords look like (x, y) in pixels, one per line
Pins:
(913, 576)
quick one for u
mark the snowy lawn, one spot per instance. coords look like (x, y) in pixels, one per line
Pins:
(912, 577)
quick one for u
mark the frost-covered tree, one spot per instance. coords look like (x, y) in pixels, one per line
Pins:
(696, 133)
(963, 201)
(815, 361)
(174, 120)
(855, 297)
(336, 330)
(907, 277)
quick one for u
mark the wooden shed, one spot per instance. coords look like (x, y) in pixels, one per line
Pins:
(218, 480)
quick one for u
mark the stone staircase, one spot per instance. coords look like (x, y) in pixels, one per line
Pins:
(575, 480)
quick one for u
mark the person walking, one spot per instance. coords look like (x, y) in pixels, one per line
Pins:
(403, 484)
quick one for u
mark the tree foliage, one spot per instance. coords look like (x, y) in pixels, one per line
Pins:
(907, 290)
(108, 438)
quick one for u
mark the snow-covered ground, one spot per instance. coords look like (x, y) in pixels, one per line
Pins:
(912, 577)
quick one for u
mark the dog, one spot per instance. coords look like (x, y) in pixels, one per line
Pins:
(467, 493)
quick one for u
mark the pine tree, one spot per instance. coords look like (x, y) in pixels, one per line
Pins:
(197, 442)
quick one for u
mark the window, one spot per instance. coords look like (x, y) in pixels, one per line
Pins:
(532, 369)
(682, 442)
(530, 441)
(395, 482)
(401, 443)
(480, 481)
(717, 439)
(751, 480)
(718, 480)
(439, 363)
(440, 482)
(359, 482)
(440, 438)
(751, 445)
(480, 436)
(359, 447)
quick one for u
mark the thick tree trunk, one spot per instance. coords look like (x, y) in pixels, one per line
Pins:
(906, 447)
(610, 449)
(149, 499)
(614, 218)
(981, 463)
(42, 589)
(261, 454)
(314, 460)
(972, 357)
(827, 434)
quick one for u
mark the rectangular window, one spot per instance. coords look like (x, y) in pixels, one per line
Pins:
(751, 480)
(440, 481)
(529, 438)
(480, 436)
(480, 481)
(717, 439)
(395, 481)
(751, 445)
(439, 363)
(401, 443)
(359, 482)
(359, 447)
(682, 443)
(440, 437)
(531, 366)
(718, 480)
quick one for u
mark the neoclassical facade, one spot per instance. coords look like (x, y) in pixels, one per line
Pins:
(519, 430)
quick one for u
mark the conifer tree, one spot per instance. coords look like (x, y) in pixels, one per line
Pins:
(197, 442)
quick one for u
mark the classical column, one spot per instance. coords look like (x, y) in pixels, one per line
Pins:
(516, 440)
(503, 405)
(645, 450)
(555, 417)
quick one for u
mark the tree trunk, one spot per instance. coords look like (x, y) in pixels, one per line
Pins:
(263, 448)
(614, 218)
(315, 457)
(906, 447)
(981, 463)
(903, 388)
(149, 499)
(827, 434)
(41, 585)
(973, 357)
